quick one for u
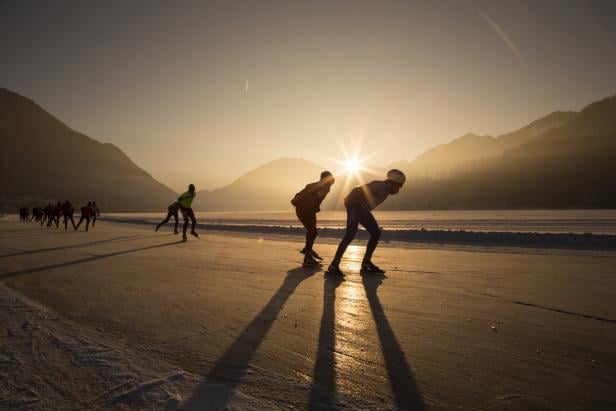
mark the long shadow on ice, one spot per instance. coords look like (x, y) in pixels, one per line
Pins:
(83, 260)
(232, 366)
(36, 233)
(66, 247)
(323, 389)
(401, 380)
(24, 231)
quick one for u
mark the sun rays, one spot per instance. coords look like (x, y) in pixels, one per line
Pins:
(351, 164)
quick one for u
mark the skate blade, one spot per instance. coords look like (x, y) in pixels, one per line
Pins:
(368, 271)
(315, 256)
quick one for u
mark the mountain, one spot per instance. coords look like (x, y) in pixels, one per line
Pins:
(43, 159)
(268, 187)
(465, 151)
(560, 160)
(568, 166)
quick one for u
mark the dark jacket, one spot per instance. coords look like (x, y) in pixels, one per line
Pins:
(368, 196)
(67, 208)
(311, 197)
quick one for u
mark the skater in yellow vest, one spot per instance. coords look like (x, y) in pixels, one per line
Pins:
(185, 201)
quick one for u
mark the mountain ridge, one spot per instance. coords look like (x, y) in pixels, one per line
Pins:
(261, 188)
(441, 160)
(570, 166)
(44, 160)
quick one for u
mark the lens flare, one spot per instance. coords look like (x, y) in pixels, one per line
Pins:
(352, 165)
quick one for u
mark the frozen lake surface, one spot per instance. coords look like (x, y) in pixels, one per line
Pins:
(539, 221)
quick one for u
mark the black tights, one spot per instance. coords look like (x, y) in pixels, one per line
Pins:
(188, 213)
(67, 217)
(83, 217)
(166, 220)
(356, 216)
(309, 220)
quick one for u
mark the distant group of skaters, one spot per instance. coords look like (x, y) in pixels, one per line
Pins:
(51, 214)
(359, 204)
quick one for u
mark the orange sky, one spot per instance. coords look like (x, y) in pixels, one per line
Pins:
(205, 91)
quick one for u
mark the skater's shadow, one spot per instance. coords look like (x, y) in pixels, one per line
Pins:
(401, 380)
(83, 260)
(323, 389)
(25, 231)
(232, 366)
(36, 233)
(66, 247)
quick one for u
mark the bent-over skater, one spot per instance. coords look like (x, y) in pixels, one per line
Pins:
(359, 205)
(307, 204)
(172, 211)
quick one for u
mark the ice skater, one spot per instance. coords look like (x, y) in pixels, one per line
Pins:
(37, 214)
(24, 214)
(67, 211)
(48, 214)
(307, 204)
(359, 205)
(185, 201)
(95, 212)
(172, 211)
(57, 212)
(86, 214)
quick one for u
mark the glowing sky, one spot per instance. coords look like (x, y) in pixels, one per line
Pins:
(205, 91)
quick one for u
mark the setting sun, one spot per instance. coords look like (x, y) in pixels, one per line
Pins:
(352, 166)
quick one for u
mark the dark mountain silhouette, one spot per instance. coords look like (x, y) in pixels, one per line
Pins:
(43, 159)
(560, 160)
(268, 187)
(568, 166)
(271, 186)
(464, 151)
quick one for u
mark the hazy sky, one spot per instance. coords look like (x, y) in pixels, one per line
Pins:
(205, 91)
